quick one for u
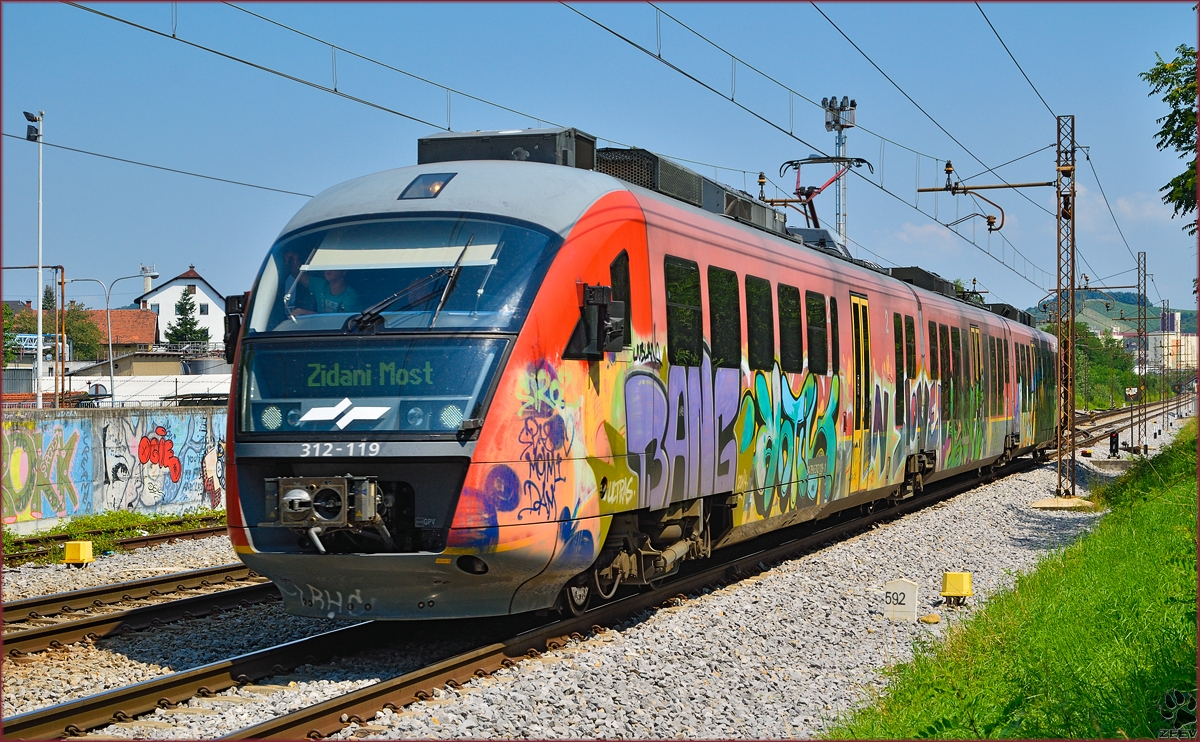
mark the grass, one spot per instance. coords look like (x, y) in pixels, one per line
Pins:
(116, 524)
(1087, 645)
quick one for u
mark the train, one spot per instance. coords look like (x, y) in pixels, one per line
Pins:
(526, 372)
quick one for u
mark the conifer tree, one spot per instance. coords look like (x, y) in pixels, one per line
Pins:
(186, 329)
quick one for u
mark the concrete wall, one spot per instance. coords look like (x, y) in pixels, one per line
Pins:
(62, 463)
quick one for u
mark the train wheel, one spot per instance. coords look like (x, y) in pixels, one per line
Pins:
(577, 595)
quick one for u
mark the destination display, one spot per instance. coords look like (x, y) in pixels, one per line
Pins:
(356, 384)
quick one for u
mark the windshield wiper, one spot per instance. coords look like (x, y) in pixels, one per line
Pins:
(369, 317)
(451, 281)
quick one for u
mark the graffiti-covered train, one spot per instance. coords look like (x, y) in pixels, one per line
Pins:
(526, 372)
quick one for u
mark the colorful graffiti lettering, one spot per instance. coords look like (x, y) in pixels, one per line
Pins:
(145, 460)
(681, 436)
(543, 442)
(159, 450)
(45, 475)
(540, 394)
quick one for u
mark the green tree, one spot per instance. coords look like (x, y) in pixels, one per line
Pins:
(1177, 81)
(10, 336)
(49, 301)
(967, 294)
(86, 338)
(186, 329)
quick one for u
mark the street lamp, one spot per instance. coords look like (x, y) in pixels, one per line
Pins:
(34, 134)
(112, 389)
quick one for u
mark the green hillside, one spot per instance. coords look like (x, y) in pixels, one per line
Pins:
(1122, 314)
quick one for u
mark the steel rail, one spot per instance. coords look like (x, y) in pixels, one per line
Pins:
(48, 605)
(133, 542)
(98, 626)
(325, 718)
(78, 716)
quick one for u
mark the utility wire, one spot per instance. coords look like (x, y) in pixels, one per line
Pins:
(799, 95)
(767, 121)
(1014, 59)
(382, 64)
(922, 110)
(1087, 155)
(256, 66)
(161, 167)
(1017, 159)
(1047, 105)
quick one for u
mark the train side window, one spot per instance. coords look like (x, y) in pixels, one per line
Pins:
(993, 376)
(910, 348)
(818, 358)
(1005, 341)
(933, 351)
(760, 324)
(618, 273)
(898, 391)
(724, 318)
(682, 278)
(791, 330)
(957, 355)
(835, 363)
(946, 370)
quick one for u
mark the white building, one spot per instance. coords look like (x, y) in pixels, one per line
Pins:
(210, 305)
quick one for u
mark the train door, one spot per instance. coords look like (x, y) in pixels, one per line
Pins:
(860, 459)
(976, 408)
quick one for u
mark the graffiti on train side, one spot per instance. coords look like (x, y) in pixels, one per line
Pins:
(61, 465)
(681, 435)
(791, 439)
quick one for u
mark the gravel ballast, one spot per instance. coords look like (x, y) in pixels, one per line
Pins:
(781, 654)
(29, 580)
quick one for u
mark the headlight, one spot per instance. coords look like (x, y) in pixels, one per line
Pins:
(271, 418)
(451, 417)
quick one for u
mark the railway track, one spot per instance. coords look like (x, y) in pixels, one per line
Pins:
(325, 718)
(49, 621)
(322, 719)
(133, 542)
(1098, 425)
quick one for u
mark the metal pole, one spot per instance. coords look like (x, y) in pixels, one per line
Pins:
(1065, 306)
(37, 375)
(1143, 348)
(112, 386)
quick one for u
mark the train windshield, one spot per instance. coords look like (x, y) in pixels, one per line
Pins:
(405, 274)
(353, 385)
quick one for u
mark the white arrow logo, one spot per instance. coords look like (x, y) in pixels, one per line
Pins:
(320, 414)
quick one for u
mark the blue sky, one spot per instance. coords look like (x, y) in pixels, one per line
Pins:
(114, 89)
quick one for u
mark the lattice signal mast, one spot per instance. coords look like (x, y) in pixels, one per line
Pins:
(838, 118)
(1143, 351)
(1064, 306)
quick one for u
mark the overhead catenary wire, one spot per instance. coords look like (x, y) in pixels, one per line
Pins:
(806, 143)
(449, 90)
(991, 170)
(1087, 155)
(744, 63)
(167, 169)
(1014, 59)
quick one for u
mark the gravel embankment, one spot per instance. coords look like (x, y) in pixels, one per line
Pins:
(84, 669)
(776, 655)
(29, 580)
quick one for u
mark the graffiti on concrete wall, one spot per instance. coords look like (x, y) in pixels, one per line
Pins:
(47, 470)
(65, 463)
